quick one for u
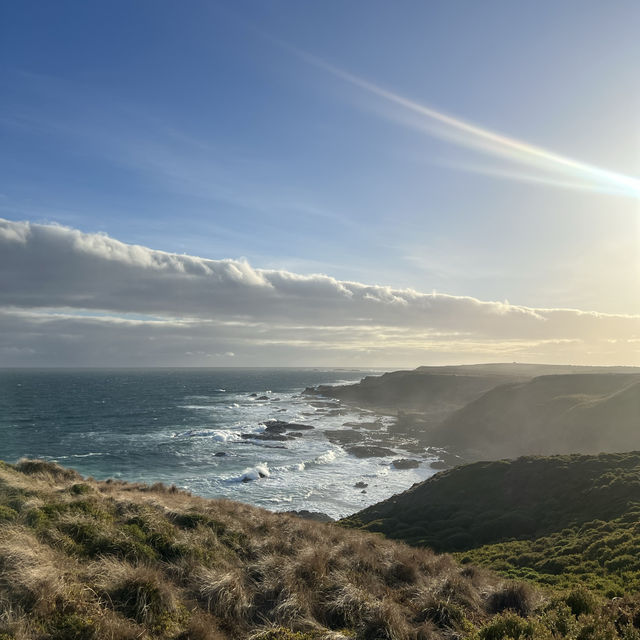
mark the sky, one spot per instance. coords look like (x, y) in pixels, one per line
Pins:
(280, 183)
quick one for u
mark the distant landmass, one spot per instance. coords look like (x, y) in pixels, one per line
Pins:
(507, 410)
(587, 413)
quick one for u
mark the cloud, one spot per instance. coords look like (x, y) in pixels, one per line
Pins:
(72, 297)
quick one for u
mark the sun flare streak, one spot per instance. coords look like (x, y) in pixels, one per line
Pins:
(470, 135)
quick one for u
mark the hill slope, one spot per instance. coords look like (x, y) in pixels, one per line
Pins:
(548, 415)
(82, 560)
(558, 520)
(443, 388)
(86, 560)
(487, 412)
(434, 393)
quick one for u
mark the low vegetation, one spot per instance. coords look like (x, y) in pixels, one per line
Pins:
(87, 560)
(560, 521)
(602, 554)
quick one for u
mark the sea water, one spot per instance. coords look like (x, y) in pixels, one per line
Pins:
(185, 426)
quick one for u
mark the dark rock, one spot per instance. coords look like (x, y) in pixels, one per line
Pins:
(372, 426)
(219, 454)
(294, 434)
(405, 463)
(343, 436)
(360, 485)
(278, 437)
(263, 398)
(364, 425)
(413, 446)
(253, 395)
(364, 491)
(278, 426)
(275, 426)
(317, 516)
(369, 451)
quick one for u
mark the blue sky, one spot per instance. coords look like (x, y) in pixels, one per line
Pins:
(279, 133)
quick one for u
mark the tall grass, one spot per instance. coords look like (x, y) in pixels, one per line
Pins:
(87, 560)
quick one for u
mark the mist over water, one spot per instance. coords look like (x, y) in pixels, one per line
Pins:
(173, 426)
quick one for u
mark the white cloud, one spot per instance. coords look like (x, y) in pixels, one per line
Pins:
(126, 304)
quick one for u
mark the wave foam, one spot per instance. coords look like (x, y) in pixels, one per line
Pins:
(326, 458)
(254, 473)
(219, 435)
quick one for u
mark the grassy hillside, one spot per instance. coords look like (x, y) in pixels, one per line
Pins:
(585, 413)
(81, 560)
(601, 554)
(86, 560)
(561, 520)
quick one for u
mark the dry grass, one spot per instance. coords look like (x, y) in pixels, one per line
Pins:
(85, 560)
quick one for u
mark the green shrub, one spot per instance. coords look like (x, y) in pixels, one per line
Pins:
(80, 489)
(508, 626)
(581, 601)
(7, 513)
(596, 628)
(559, 619)
(71, 626)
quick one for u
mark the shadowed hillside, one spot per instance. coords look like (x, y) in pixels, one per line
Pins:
(439, 390)
(488, 412)
(436, 394)
(559, 520)
(548, 415)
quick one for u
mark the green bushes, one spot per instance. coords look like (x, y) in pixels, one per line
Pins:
(7, 514)
(581, 601)
(71, 626)
(601, 555)
(509, 626)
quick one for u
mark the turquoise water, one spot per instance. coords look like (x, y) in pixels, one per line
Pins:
(168, 425)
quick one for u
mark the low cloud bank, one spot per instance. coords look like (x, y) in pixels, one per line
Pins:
(124, 304)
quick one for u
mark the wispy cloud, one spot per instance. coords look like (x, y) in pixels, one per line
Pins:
(561, 171)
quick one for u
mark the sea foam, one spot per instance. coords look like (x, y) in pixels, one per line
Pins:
(254, 473)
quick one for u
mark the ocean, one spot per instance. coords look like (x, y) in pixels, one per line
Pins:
(194, 427)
